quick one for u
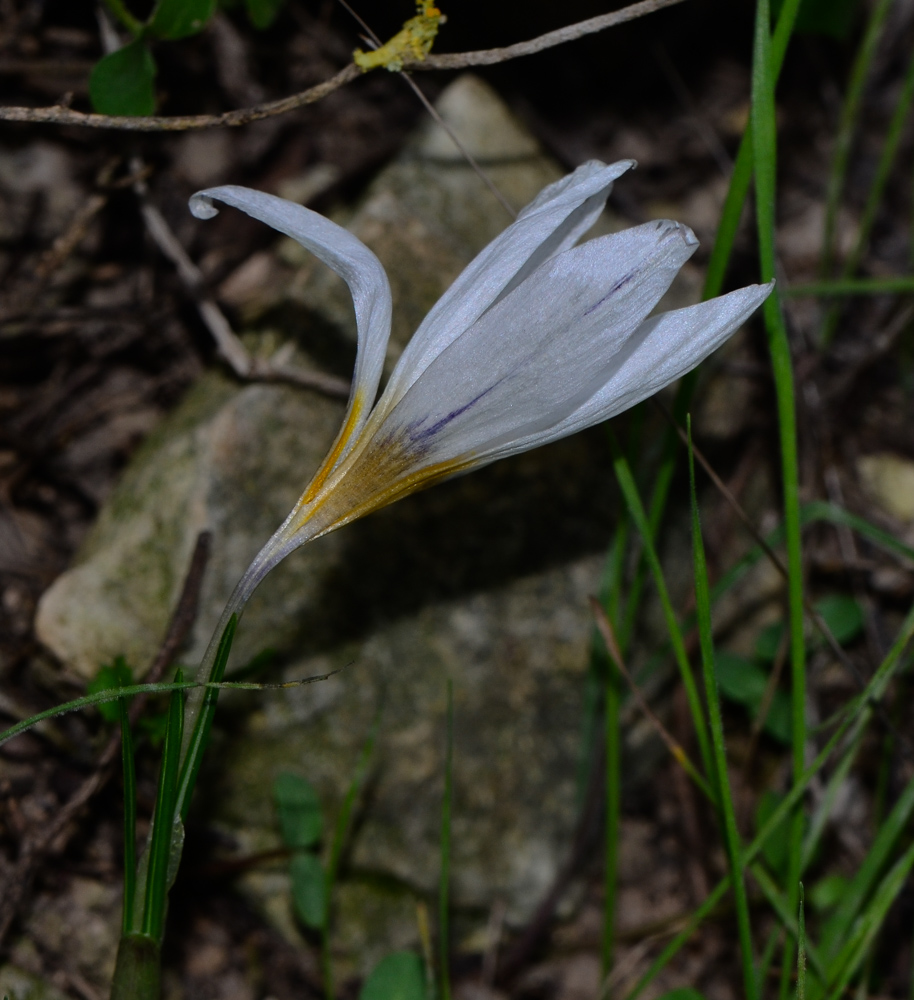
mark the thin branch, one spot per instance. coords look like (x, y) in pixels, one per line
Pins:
(70, 239)
(488, 57)
(58, 115)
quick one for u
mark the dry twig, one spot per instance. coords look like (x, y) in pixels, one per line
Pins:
(608, 634)
(58, 115)
(70, 239)
(488, 57)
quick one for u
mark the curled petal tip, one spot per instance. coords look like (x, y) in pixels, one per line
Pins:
(667, 226)
(202, 207)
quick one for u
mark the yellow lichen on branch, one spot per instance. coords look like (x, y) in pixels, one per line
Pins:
(412, 43)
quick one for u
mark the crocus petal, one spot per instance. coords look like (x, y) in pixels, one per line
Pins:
(524, 366)
(552, 223)
(353, 262)
(661, 350)
(537, 339)
(542, 351)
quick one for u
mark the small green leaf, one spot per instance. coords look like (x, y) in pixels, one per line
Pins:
(843, 616)
(121, 83)
(111, 676)
(740, 679)
(778, 722)
(299, 808)
(180, 18)
(745, 682)
(309, 889)
(399, 976)
(828, 892)
(769, 642)
(263, 12)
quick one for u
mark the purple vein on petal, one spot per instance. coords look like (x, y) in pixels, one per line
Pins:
(421, 435)
(618, 285)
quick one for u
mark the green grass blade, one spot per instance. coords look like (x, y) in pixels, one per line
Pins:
(656, 510)
(715, 719)
(765, 158)
(849, 728)
(193, 758)
(802, 948)
(819, 510)
(737, 192)
(129, 690)
(129, 817)
(823, 811)
(839, 925)
(89, 701)
(778, 902)
(732, 212)
(624, 625)
(743, 166)
(850, 959)
(874, 197)
(814, 512)
(636, 511)
(444, 900)
(160, 843)
(775, 938)
(847, 125)
(612, 701)
(883, 170)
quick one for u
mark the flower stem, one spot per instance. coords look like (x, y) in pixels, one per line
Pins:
(137, 971)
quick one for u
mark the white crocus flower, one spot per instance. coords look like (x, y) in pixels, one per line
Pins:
(537, 338)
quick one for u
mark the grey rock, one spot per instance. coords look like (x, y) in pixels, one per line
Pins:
(517, 656)
(229, 460)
